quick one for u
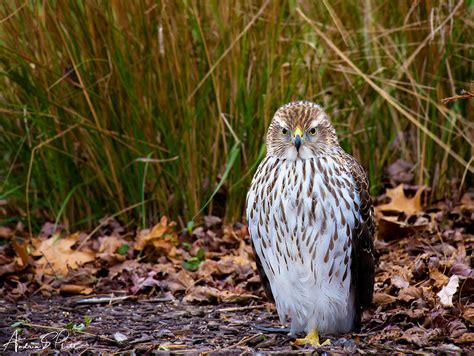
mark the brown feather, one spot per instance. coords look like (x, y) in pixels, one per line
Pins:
(363, 265)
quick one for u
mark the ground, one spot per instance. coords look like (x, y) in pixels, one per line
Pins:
(168, 290)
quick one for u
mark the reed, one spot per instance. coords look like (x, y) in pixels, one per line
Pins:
(163, 105)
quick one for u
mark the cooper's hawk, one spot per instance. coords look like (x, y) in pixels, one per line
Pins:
(311, 222)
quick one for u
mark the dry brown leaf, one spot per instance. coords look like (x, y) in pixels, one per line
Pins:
(157, 237)
(218, 268)
(468, 314)
(57, 255)
(8, 268)
(202, 294)
(416, 336)
(383, 298)
(22, 251)
(75, 289)
(465, 338)
(142, 282)
(410, 293)
(164, 268)
(213, 295)
(230, 297)
(176, 282)
(391, 229)
(108, 249)
(456, 328)
(438, 278)
(400, 203)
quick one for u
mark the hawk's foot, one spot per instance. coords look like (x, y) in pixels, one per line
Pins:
(312, 339)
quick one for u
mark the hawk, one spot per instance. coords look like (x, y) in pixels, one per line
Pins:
(311, 222)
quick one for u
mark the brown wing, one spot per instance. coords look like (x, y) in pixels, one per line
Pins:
(363, 265)
(263, 276)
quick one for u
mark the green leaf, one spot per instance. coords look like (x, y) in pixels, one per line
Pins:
(18, 324)
(190, 226)
(88, 319)
(75, 327)
(200, 254)
(186, 245)
(122, 250)
(192, 264)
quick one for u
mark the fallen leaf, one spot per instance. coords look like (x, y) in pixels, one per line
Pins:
(128, 265)
(391, 229)
(157, 237)
(416, 336)
(410, 293)
(230, 297)
(57, 255)
(75, 289)
(465, 338)
(202, 294)
(140, 283)
(217, 268)
(8, 268)
(22, 251)
(400, 203)
(447, 292)
(456, 328)
(213, 295)
(108, 250)
(383, 298)
(438, 278)
(468, 314)
(176, 282)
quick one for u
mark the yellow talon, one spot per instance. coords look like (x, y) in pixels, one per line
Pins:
(312, 339)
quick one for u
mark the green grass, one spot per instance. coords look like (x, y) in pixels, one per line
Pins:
(162, 106)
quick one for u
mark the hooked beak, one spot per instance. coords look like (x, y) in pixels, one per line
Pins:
(297, 135)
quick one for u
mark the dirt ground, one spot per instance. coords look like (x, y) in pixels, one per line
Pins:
(146, 325)
(164, 290)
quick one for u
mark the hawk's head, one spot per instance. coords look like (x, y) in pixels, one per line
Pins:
(300, 129)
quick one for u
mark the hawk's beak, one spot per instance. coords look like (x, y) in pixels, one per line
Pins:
(298, 134)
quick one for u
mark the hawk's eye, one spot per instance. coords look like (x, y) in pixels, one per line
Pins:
(284, 131)
(312, 131)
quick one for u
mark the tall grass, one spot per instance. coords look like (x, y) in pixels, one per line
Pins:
(162, 105)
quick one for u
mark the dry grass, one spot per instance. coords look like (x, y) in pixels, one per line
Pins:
(152, 108)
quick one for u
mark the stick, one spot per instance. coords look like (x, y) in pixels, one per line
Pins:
(464, 95)
(234, 309)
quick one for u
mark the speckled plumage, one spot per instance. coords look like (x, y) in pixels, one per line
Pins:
(311, 222)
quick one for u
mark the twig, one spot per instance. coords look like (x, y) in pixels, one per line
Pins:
(234, 309)
(464, 95)
(247, 339)
(103, 300)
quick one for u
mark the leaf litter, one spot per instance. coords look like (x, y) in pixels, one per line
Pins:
(197, 289)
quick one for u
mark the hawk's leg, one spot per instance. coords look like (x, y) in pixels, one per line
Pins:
(312, 339)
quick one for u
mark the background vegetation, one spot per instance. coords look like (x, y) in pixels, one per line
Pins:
(159, 107)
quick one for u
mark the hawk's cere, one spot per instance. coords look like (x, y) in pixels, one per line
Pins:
(311, 222)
